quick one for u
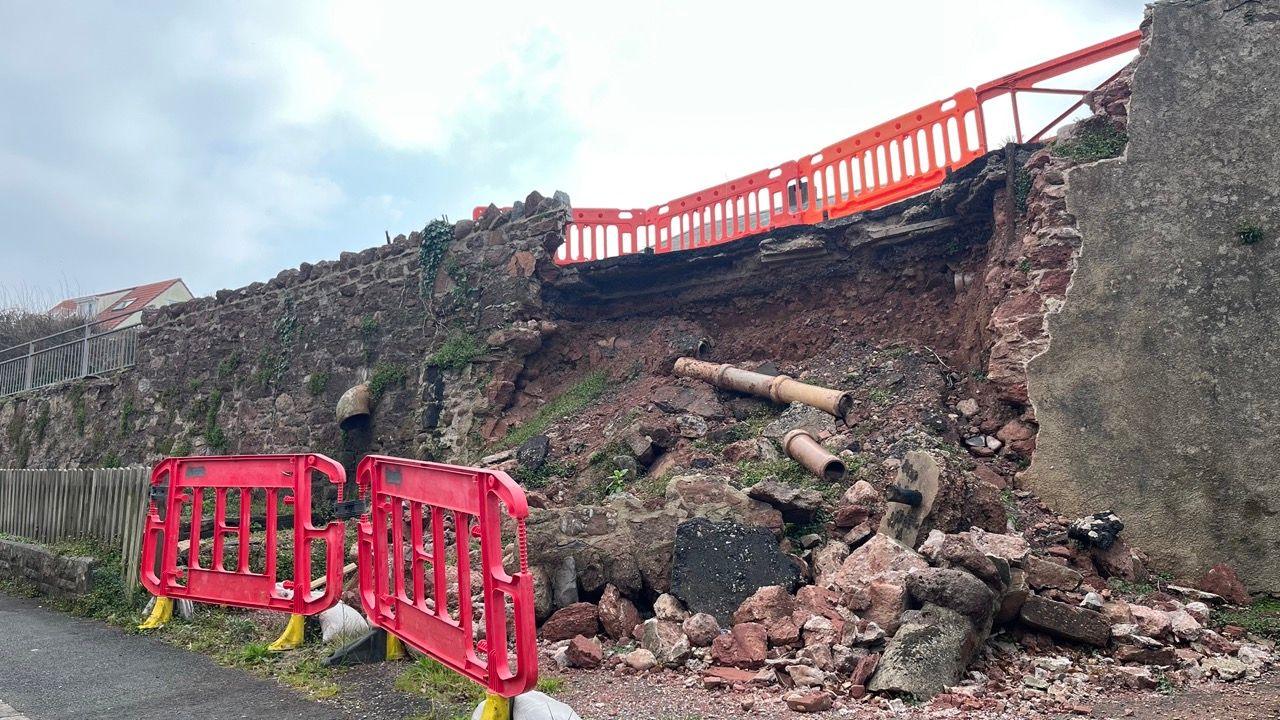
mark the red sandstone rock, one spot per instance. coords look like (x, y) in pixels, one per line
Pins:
(577, 619)
(584, 652)
(744, 646)
(1222, 580)
(618, 615)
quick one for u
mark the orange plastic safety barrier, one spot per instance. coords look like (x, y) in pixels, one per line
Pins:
(895, 160)
(183, 486)
(423, 524)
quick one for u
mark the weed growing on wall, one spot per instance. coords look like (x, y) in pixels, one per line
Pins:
(384, 377)
(1249, 234)
(436, 238)
(1092, 141)
(317, 383)
(457, 352)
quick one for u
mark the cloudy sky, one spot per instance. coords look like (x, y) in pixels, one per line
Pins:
(222, 142)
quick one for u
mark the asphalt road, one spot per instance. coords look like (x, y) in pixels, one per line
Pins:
(57, 667)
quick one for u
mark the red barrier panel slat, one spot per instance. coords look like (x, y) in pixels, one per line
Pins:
(187, 480)
(471, 501)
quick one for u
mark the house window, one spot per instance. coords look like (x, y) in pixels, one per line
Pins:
(122, 304)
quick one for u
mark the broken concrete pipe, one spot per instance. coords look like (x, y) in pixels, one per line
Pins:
(353, 407)
(778, 388)
(800, 446)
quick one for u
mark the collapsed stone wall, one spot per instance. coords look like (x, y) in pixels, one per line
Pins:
(1158, 395)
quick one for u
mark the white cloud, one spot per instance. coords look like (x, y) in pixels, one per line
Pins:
(203, 142)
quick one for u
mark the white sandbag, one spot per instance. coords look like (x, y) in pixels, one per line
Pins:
(342, 621)
(184, 609)
(534, 705)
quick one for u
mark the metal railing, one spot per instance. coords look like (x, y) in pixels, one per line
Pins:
(106, 504)
(79, 352)
(900, 158)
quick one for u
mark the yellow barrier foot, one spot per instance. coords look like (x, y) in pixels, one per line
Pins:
(161, 614)
(496, 707)
(291, 638)
(395, 648)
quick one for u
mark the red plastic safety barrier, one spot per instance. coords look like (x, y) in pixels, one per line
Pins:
(416, 543)
(895, 160)
(182, 483)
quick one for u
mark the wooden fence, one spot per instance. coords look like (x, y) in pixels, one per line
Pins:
(106, 504)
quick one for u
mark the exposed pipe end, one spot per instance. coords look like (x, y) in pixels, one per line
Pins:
(353, 407)
(834, 470)
(844, 406)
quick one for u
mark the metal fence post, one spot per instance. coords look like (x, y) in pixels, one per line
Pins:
(84, 352)
(31, 365)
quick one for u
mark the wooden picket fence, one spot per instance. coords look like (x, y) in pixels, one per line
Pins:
(106, 504)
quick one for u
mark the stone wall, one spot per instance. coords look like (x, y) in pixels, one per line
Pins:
(51, 573)
(1159, 394)
(260, 369)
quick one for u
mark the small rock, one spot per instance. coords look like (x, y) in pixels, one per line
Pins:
(618, 615)
(1035, 682)
(1099, 530)
(640, 659)
(967, 407)
(1042, 574)
(584, 652)
(805, 676)
(1228, 669)
(1138, 678)
(809, 701)
(956, 590)
(702, 629)
(691, 426)
(744, 646)
(1092, 601)
(767, 603)
(668, 608)
(666, 640)
(797, 505)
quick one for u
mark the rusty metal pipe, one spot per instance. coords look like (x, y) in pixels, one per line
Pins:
(778, 388)
(800, 446)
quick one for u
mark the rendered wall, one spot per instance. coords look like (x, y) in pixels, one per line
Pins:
(1159, 394)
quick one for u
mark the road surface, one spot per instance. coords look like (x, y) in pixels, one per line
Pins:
(58, 667)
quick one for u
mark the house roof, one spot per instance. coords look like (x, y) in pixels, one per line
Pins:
(139, 297)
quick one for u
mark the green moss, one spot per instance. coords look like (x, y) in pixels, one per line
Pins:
(577, 397)
(110, 460)
(539, 478)
(317, 383)
(1249, 234)
(181, 448)
(1261, 618)
(1021, 189)
(384, 377)
(457, 352)
(1092, 141)
(271, 369)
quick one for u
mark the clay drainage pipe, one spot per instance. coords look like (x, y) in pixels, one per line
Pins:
(778, 388)
(800, 446)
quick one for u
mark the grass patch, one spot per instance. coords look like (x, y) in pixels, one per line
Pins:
(457, 352)
(1262, 618)
(549, 685)
(1093, 141)
(441, 685)
(574, 399)
(786, 471)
